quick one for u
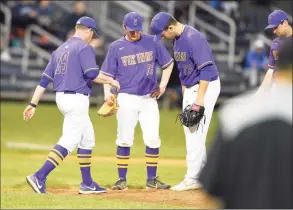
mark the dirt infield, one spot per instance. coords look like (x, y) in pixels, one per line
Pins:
(193, 199)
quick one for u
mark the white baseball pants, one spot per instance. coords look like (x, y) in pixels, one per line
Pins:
(195, 139)
(77, 126)
(134, 108)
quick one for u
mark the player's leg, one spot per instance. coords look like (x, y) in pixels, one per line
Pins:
(149, 118)
(84, 156)
(71, 136)
(127, 117)
(195, 139)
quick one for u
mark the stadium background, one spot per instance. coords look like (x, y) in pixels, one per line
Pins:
(31, 30)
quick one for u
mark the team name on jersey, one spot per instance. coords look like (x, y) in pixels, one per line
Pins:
(134, 59)
(180, 56)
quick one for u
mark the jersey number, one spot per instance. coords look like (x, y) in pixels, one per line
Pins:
(150, 69)
(62, 61)
(187, 69)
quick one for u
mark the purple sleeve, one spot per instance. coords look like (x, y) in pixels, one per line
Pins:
(206, 72)
(49, 70)
(87, 59)
(44, 82)
(110, 64)
(163, 56)
(92, 74)
(273, 56)
(200, 51)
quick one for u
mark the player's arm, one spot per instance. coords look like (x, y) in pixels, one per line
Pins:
(267, 81)
(166, 62)
(109, 69)
(91, 69)
(202, 56)
(47, 76)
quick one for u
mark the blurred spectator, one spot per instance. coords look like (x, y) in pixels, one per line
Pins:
(216, 4)
(79, 10)
(230, 8)
(255, 62)
(44, 11)
(250, 165)
(24, 13)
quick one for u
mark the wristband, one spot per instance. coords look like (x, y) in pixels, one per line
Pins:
(33, 105)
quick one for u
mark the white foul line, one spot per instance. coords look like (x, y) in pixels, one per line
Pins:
(28, 146)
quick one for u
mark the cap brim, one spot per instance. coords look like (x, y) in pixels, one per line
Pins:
(138, 28)
(96, 33)
(270, 27)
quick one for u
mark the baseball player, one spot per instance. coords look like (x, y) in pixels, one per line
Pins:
(72, 68)
(132, 60)
(200, 85)
(278, 24)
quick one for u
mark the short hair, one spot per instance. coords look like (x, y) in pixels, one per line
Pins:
(82, 27)
(285, 55)
(172, 21)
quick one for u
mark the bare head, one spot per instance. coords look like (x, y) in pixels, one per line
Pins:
(132, 25)
(166, 26)
(79, 8)
(86, 29)
(278, 24)
(44, 3)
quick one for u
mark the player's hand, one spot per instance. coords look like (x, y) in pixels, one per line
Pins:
(109, 99)
(115, 84)
(28, 112)
(157, 93)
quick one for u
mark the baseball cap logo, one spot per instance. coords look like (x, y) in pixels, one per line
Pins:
(135, 21)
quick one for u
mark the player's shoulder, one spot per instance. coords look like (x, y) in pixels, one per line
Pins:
(117, 43)
(275, 43)
(192, 33)
(148, 37)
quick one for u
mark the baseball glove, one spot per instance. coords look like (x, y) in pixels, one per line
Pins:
(192, 115)
(106, 110)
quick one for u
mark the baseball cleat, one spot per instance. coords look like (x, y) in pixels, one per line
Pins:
(94, 188)
(121, 184)
(185, 185)
(155, 183)
(39, 186)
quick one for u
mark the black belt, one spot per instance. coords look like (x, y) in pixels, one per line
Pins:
(72, 92)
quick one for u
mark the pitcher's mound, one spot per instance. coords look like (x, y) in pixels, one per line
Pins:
(193, 198)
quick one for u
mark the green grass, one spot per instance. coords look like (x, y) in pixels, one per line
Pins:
(45, 128)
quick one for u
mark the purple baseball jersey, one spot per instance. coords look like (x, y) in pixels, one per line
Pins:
(194, 57)
(275, 46)
(133, 64)
(68, 65)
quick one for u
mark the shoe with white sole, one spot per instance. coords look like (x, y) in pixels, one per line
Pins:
(94, 188)
(39, 186)
(185, 185)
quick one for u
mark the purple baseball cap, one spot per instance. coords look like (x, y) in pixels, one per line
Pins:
(88, 22)
(276, 18)
(159, 23)
(133, 21)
